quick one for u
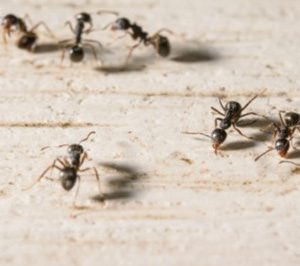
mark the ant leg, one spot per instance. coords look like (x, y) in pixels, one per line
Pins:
(94, 41)
(84, 157)
(250, 101)
(264, 153)
(68, 23)
(65, 41)
(251, 122)
(250, 113)
(42, 23)
(281, 119)
(217, 119)
(4, 37)
(118, 38)
(221, 104)
(99, 183)
(131, 51)
(94, 53)
(216, 110)
(97, 177)
(163, 29)
(77, 191)
(298, 165)
(246, 124)
(64, 163)
(240, 132)
(53, 165)
(28, 18)
(61, 63)
(293, 145)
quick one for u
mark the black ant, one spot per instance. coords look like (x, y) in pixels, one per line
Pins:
(28, 38)
(70, 166)
(285, 131)
(160, 43)
(231, 116)
(75, 47)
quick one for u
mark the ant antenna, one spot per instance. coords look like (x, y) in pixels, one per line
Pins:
(196, 133)
(109, 24)
(88, 136)
(59, 146)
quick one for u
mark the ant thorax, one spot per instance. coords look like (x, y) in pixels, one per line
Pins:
(284, 133)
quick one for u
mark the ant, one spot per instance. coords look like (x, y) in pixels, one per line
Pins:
(28, 38)
(160, 43)
(75, 47)
(285, 131)
(70, 166)
(231, 116)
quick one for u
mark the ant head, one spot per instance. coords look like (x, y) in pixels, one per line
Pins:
(282, 146)
(76, 54)
(233, 107)
(75, 149)
(291, 119)
(27, 41)
(68, 178)
(163, 46)
(218, 136)
(9, 20)
(225, 124)
(121, 24)
(85, 17)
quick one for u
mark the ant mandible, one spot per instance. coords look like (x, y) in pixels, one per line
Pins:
(28, 38)
(160, 43)
(70, 166)
(285, 131)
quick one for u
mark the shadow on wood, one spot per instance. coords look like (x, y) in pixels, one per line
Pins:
(121, 186)
(44, 48)
(193, 52)
(238, 145)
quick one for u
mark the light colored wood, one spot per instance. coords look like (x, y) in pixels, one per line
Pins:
(190, 207)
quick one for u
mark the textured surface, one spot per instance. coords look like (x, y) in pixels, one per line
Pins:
(186, 206)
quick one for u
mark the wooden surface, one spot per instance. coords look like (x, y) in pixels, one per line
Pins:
(179, 204)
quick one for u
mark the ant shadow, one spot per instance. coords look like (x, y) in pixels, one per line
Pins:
(259, 123)
(136, 63)
(193, 52)
(121, 186)
(238, 145)
(115, 69)
(295, 154)
(47, 48)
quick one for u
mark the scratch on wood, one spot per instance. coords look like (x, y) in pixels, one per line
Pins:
(50, 124)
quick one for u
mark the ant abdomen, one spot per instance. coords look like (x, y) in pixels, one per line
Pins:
(68, 178)
(27, 41)
(218, 136)
(282, 146)
(76, 54)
